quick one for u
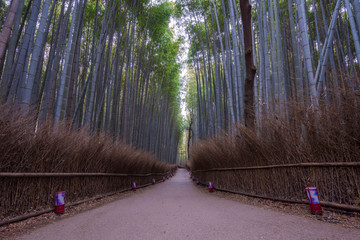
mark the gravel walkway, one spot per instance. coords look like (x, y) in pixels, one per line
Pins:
(176, 209)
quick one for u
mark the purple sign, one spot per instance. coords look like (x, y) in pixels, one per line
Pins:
(60, 198)
(312, 195)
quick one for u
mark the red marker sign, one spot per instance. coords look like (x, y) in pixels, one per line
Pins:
(210, 187)
(313, 196)
(60, 202)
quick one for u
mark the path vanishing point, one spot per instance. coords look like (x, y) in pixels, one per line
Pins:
(177, 210)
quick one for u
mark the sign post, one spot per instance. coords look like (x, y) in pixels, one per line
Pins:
(60, 202)
(210, 187)
(313, 196)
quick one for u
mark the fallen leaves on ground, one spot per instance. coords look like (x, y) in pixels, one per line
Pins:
(333, 216)
(19, 228)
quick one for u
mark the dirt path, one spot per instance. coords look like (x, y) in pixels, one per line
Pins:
(176, 209)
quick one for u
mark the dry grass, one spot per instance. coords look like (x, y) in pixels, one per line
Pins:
(24, 150)
(63, 151)
(329, 134)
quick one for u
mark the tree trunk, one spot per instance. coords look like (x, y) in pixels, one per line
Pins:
(249, 61)
(5, 34)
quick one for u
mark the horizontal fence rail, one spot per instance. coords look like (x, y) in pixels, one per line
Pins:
(329, 164)
(338, 183)
(10, 174)
(24, 217)
(302, 201)
(22, 192)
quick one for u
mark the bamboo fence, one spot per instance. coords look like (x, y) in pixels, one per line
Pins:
(338, 183)
(25, 193)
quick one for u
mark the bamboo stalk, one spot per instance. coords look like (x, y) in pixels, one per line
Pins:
(329, 164)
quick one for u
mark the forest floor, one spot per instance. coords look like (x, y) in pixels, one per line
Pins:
(178, 209)
(330, 215)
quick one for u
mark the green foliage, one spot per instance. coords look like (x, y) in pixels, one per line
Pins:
(3, 12)
(191, 94)
(138, 7)
(144, 54)
(165, 54)
(90, 12)
(156, 20)
(154, 23)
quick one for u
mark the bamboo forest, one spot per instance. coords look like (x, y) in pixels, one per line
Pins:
(269, 89)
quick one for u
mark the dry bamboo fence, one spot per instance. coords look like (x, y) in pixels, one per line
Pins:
(24, 193)
(338, 183)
